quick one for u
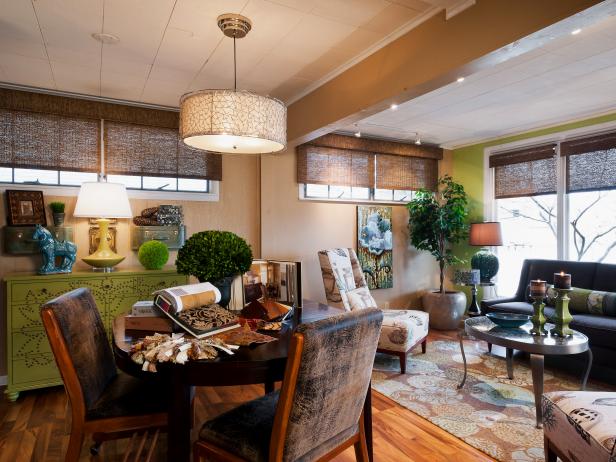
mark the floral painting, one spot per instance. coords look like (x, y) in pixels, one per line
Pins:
(374, 245)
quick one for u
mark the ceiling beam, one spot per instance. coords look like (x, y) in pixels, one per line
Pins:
(432, 55)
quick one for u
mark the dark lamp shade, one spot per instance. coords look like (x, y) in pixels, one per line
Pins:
(486, 234)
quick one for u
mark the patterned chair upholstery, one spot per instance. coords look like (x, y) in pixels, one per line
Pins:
(579, 426)
(345, 285)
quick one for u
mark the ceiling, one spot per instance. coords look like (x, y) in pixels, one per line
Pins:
(570, 77)
(169, 47)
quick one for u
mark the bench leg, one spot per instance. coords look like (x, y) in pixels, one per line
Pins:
(423, 345)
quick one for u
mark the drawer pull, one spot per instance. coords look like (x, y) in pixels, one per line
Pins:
(44, 290)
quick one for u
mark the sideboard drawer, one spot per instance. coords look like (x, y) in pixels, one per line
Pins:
(31, 370)
(29, 343)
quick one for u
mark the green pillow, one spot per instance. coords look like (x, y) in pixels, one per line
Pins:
(587, 301)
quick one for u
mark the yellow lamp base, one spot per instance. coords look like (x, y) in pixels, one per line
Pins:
(104, 257)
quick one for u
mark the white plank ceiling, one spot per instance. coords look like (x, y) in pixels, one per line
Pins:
(571, 77)
(169, 47)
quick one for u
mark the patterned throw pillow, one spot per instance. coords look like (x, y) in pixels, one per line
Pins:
(587, 301)
(360, 299)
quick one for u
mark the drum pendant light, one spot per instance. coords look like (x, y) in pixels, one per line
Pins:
(233, 121)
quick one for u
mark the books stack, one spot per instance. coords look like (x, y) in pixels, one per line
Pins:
(144, 316)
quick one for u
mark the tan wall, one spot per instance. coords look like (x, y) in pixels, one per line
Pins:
(237, 211)
(297, 229)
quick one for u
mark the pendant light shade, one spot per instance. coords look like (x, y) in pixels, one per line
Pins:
(233, 121)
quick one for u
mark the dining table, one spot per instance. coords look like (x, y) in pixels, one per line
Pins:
(255, 364)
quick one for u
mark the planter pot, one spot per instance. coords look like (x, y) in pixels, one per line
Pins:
(58, 219)
(224, 285)
(445, 310)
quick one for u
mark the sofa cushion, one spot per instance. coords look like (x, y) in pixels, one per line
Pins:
(587, 301)
(582, 273)
(601, 330)
(605, 278)
(581, 424)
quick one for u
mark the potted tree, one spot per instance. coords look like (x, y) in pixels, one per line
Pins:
(436, 222)
(216, 257)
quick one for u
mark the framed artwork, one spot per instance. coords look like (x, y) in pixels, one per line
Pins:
(93, 238)
(375, 245)
(25, 207)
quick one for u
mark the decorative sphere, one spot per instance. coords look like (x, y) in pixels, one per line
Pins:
(153, 255)
(487, 264)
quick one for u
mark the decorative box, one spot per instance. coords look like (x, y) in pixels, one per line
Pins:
(18, 239)
(467, 277)
(173, 236)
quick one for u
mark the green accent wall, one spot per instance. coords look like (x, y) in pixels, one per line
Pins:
(467, 168)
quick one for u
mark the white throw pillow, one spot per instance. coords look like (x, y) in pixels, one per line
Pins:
(360, 299)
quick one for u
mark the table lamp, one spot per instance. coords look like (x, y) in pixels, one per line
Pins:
(485, 234)
(102, 201)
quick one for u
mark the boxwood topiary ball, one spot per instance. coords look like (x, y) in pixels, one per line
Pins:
(153, 255)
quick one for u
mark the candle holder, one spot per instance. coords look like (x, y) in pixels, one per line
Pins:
(562, 317)
(538, 318)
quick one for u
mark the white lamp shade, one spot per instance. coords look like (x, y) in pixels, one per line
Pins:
(233, 121)
(103, 200)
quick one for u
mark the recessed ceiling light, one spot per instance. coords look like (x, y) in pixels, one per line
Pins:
(107, 39)
(576, 31)
(460, 79)
(418, 140)
(393, 107)
(357, 134)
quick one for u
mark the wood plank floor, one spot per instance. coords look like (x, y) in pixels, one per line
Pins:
(37, 426)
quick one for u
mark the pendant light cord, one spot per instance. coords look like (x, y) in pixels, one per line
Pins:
(234, 68)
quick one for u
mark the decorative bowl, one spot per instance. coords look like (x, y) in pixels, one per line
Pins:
(510, 320)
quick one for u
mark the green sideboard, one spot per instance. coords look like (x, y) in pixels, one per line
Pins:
(30, 361)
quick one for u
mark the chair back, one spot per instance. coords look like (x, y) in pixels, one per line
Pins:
(326, 380)
(80, 346)
(343, 279)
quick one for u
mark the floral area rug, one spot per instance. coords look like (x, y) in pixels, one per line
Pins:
(491, 413)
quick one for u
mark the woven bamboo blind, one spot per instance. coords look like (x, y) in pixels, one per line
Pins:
(49, 142)
(155, 151)
(406, 173)
(340, 167)
(591, 162)
(525, 172)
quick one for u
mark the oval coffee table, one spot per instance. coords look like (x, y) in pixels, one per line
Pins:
(482, 328)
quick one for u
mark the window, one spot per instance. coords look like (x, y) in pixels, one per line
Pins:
(48, 149)
(535, 223)
(348, 174)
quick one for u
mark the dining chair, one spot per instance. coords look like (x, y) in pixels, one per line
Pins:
(345, 284)
(107, 404)
(318, 412)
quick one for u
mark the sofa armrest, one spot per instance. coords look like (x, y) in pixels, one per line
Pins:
(493, 301)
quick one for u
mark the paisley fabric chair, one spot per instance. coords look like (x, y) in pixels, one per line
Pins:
(104, 403)
(345, 285)
(579, 426)
(318, 412)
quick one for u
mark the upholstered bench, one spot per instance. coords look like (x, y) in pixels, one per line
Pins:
(346, 285)
(579, 426)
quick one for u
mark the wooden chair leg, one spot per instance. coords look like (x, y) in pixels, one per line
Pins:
(402, 363)
(197, 453)
(423, 345)
(550, 455)
(361, 447)
(74, 445)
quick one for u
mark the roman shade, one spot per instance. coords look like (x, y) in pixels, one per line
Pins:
(524, 172)
(49, 142)
(331, 166)
(132, 149)
(591, 162)
(405, 172)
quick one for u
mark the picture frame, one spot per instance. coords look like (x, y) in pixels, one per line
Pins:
(25, 207)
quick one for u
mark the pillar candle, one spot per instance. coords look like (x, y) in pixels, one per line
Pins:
(562, 280)
(538, 288)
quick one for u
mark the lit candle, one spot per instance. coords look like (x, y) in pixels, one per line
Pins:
(562, 280)
(538, 288)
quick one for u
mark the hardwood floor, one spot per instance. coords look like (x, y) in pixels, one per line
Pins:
(36, 428)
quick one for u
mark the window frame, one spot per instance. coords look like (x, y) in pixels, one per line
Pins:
(562, 206)
(370, 200)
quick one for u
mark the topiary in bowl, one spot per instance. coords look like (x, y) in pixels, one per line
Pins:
(153, 255)
(216, 257)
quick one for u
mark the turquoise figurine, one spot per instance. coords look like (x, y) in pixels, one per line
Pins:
(51, 248)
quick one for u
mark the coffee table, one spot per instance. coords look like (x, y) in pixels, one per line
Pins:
(482, 328)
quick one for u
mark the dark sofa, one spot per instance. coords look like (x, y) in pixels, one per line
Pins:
(600, 330)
